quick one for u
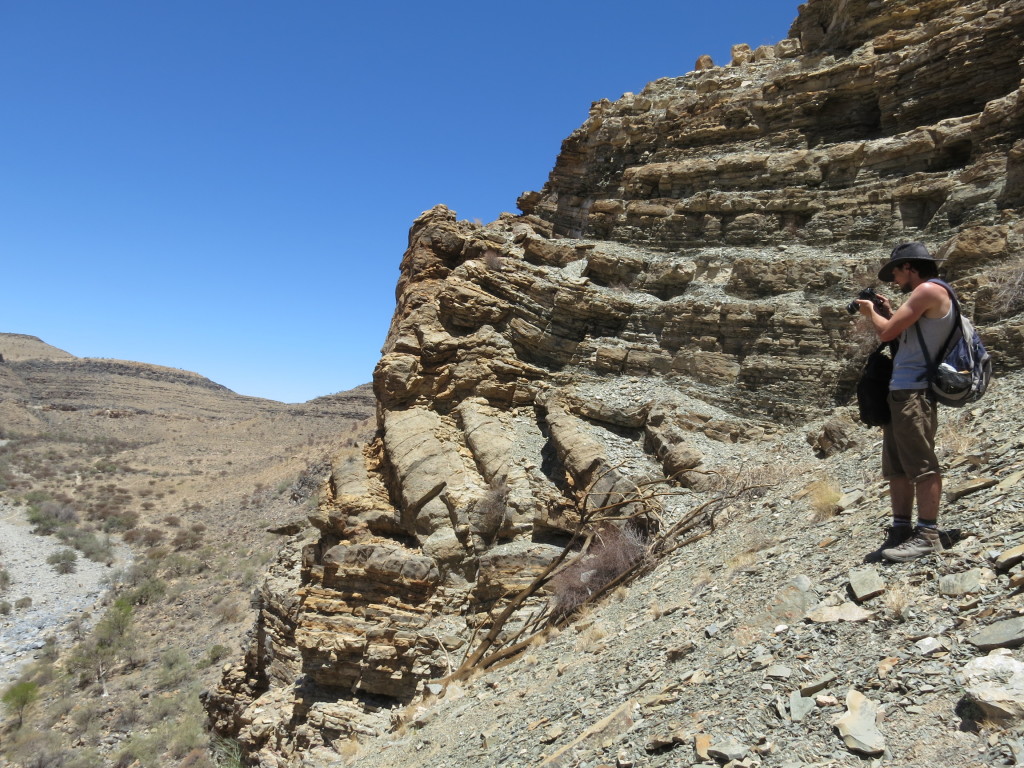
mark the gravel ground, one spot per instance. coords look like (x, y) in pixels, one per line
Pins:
(56, 598)
(749, 640)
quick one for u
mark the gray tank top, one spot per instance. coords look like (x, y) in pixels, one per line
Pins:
(910, 366)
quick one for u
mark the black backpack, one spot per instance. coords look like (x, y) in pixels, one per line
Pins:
(873, 385)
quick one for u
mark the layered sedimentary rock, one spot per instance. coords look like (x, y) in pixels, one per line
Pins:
(878, 118)
(681, 279)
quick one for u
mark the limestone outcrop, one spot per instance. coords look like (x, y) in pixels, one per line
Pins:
(680, 280)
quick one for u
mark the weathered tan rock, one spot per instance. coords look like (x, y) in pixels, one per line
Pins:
(704, 62)
(996, 684)
(837, 434)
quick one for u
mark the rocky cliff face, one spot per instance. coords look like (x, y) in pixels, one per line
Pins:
(679, 284)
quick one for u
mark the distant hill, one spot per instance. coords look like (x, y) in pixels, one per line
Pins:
(38, 380)
(19, 346)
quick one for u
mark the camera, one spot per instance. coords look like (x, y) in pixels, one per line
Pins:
(867, 294)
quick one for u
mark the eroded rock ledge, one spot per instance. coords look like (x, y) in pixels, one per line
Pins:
(680, 282)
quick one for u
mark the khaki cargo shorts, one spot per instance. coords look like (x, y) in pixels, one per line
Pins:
(908, 441)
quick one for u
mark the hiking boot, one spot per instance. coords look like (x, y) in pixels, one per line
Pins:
(923, 542)
(894, 536)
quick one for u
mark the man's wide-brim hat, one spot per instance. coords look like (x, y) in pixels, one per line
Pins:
(903, 253)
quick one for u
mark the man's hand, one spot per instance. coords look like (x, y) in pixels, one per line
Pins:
(883, 307)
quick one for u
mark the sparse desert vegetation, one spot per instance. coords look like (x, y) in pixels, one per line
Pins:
(193, 501)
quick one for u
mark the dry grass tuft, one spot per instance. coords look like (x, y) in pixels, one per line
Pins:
(590, 640)
(898, 599)
(955, 437)
(823, 498)
(348, 748)
(741, 560)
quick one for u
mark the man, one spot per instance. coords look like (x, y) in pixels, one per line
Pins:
(908, 441)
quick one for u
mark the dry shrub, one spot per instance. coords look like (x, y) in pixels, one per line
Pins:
(492, 512)
(1003, 296)
(146, 535)
(187, 737)
(749, 479)
(175, 668)
(225, 752)
(187, 539)
(613, 552)
(349, 748)
(823, 498)
(228, 611)
(35, 749)
(64, 561)
(492, 260)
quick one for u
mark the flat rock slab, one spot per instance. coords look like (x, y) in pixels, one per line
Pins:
(1008, 633)
(800, 706)
(1011, 480)
(866, 583)
(970, 486)
(1010, 558)
(778, 672)
(850, 500)
(825, 614)
(727, 750)
(791, 602)
(966, 583)
(820, 684)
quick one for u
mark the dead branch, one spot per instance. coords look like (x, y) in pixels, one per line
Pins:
(489, 652)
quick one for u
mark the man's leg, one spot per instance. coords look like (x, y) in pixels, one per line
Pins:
(901, 496)
(926, 537)
(929, 494)
(912, 443)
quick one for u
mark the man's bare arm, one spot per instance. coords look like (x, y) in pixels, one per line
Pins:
(923, 298)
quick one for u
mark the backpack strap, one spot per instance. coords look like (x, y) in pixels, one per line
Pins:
(934, 365)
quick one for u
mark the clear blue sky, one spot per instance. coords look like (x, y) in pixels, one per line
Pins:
(226, 186)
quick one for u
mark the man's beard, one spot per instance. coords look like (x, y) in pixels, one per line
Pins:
(906, 288)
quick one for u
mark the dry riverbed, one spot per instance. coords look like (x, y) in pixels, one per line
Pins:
(56, 599)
